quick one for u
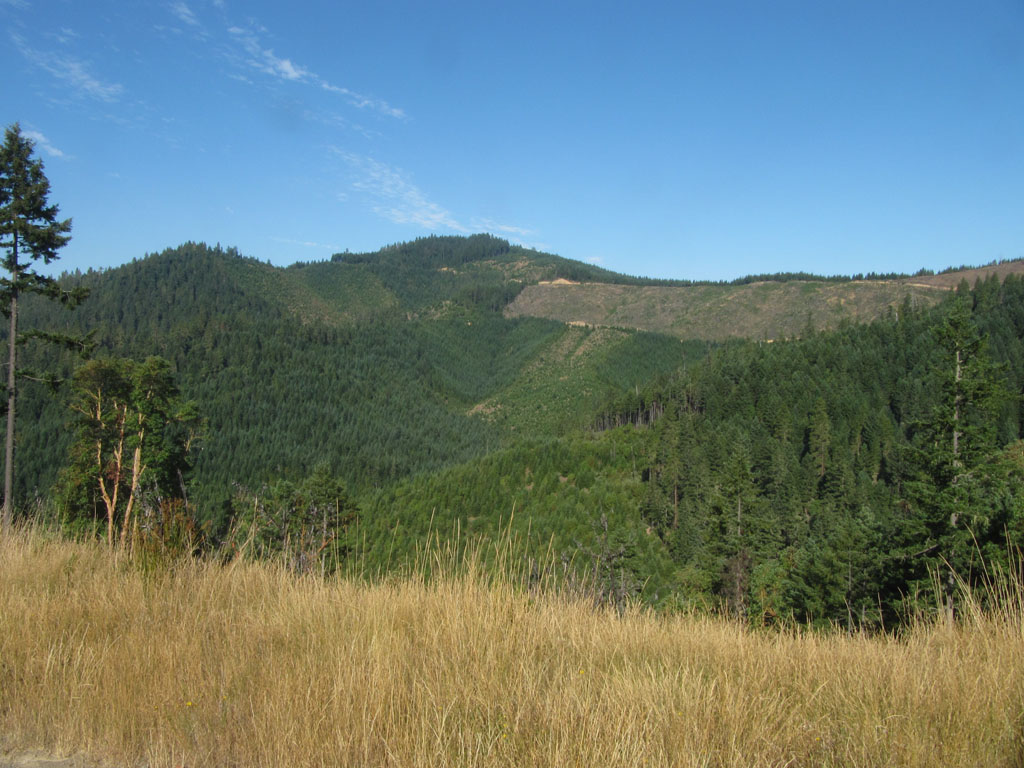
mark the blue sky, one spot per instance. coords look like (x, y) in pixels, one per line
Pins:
(693, 140)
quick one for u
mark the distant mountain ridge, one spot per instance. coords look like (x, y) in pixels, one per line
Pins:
(434, 276)
(529, 283)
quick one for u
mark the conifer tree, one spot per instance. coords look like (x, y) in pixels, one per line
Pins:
(958, 453)
(29, 231)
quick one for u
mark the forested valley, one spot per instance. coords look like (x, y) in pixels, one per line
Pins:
(343, 414)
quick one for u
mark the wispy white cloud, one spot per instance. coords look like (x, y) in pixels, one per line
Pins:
(65, 35)
(185, 14)
(265, 60)
(360, 101)
(395, 197)
(69, 69)
(43, 143)
(335, 120)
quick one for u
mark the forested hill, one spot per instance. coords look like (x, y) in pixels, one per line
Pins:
(375, 367)
(378, 365)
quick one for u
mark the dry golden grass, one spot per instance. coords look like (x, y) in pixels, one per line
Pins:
(245, 665)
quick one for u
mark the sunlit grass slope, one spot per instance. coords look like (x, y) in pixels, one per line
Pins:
(576, 373)
(244, 665)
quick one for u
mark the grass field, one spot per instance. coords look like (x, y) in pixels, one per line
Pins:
(243, 664)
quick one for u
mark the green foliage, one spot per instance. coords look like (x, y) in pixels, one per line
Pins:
(571, 503)
(575, 376)
(958, 484)
(306, 523)
(134, 435)
(829, 478)
(29, 228)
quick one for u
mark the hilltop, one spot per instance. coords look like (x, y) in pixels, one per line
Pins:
(378, 365)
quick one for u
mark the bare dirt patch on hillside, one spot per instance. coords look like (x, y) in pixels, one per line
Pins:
(762, 310)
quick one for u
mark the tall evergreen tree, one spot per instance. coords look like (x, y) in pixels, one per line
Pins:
(29, 231)
(959, 454)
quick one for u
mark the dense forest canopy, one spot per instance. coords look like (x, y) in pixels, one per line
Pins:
(375, 371)
(832, 476)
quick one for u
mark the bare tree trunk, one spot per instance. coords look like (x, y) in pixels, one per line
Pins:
(137, 470)
(11, 379)
(675, 504)
(110, 498)
(957, 405)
